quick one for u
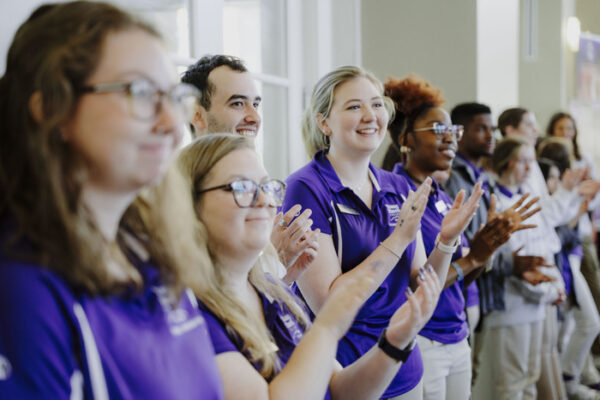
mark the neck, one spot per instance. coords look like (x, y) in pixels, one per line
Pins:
(507, 181)
(235, 270)
(107, 209)
(352, 171)
(416, 173)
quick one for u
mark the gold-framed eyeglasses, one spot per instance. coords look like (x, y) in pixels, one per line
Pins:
(442, 130)
(245, 191)
(146, 99)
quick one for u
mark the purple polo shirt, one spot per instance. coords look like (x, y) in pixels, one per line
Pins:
(449, 321)
(284, 328)
(141, 345)
(356, 232)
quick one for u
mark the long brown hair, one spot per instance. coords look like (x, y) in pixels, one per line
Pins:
(41, 175)
(550, 130)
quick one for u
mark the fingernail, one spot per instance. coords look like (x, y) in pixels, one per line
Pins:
(430, 268)
(409, 292)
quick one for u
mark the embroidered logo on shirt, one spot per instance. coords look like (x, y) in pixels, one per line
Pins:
(178, 318)
(393, 212)
(292, 327)
(5, 368)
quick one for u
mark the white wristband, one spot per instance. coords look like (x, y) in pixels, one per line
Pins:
(459, 271)
(444, 248)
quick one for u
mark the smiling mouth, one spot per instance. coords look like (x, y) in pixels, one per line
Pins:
(367, 131)
(247, 132)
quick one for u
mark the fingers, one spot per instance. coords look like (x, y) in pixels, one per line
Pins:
(521, 227)
(529, 204)
(530, 213)
(492, 209)
(288, 216)
(458, 200)
(520, 201)
(516, 252)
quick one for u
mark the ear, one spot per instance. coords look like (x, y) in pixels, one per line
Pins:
(322, 124)
(200, 120)
(36, 107)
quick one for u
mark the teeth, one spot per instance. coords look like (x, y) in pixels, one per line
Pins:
(245, 132)
(367, 131)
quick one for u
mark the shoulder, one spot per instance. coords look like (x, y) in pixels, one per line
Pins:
(217, 330)
(394, 181)
(38, 325)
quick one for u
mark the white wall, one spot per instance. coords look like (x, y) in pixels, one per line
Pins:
(498, 54)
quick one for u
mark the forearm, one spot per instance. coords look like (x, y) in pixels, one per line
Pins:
(308, 371)
(440, 261)
(469, 268)
(366, 378)
(378, 264)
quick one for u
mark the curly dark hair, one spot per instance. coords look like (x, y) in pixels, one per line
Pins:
(413, 96)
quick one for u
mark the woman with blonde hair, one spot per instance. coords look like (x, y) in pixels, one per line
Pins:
(266, 347)
(92, 292)
(357, 208)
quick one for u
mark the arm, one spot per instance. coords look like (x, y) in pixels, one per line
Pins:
(454, 223)
(308, 371)
(317, 283)
(370, 375)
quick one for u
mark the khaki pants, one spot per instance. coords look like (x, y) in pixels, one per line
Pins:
(509, 362)
(550, 386)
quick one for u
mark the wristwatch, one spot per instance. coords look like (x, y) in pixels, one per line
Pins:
(397, 354)
(444, 248)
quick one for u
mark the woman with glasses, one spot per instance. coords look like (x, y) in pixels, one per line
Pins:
(428, 142)
(357, 207)
(265, 344)
(91, 286)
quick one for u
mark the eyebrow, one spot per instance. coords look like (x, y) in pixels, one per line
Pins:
(242, 97)
(233, 177)
(372, 98)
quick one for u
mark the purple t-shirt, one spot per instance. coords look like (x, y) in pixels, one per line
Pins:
(449, 321)
(356, 232)
(57, 344)
(284, 328)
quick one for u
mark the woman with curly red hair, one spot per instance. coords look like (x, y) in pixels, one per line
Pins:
(427, 140)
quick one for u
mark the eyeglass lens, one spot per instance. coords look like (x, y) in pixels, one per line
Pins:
(147, 99)
(245, 192)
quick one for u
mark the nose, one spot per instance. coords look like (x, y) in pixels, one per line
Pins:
(169, 120)
(252, 116)
(368, 114)
(262, 199)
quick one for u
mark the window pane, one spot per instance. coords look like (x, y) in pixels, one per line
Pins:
(255, 31)
(272, 142)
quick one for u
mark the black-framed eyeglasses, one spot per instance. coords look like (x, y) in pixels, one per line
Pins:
(245, 191)
(146, 99)
(441, 129)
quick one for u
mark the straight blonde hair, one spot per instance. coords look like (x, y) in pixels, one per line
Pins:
(196, 162)
(321, 101)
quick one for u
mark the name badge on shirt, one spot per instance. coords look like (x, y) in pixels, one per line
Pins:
(442, 207)
(393, 212)
(347, 210)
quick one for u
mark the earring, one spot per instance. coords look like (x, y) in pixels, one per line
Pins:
(405, 149)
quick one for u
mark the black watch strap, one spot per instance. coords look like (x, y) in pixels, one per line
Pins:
(397, 354)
